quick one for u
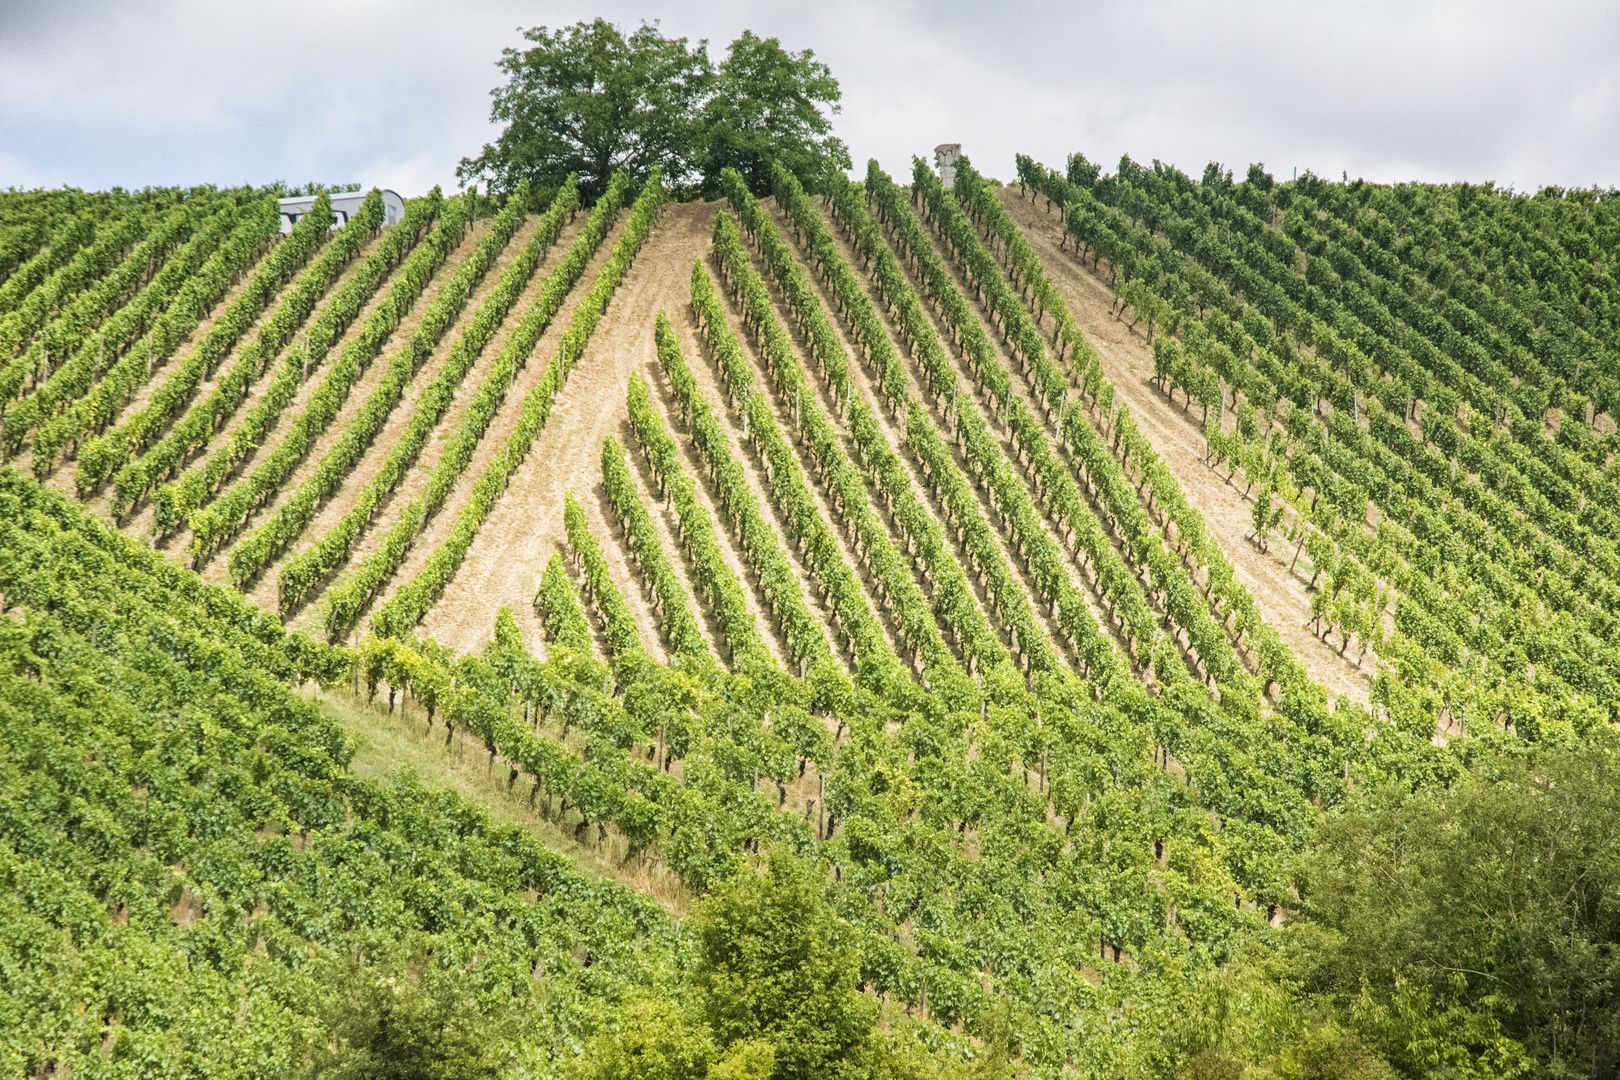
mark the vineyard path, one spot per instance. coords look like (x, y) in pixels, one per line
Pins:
(504, 564)
(416, 479)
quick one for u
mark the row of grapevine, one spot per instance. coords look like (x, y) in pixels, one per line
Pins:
(681, 631)
(1350, 449)
(1006, 598)
(804, 639)
(101, 456)
(1187, 605)
(180, 497)
(705, 829)
(88, 265)
(266, 542)
(75, 373)
(350, 595)
(1085, 638)
(1192, 371)
(30, 262)
(839, 587)
(619, 635)
(183, 311)
(1115, 585)
(1397, 471)
(174, 500)
(1005, 594)
(1167, 577)
(912, 610)
(950, 594)
(221, 518)
(57, 340)
(558, 606)
(711, 577)
(1049, 390)
(1387, 310)
(243, 807)
(406, 607)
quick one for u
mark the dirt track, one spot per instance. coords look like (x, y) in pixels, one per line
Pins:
(1127, 360)
(504, 563)
(415, 482)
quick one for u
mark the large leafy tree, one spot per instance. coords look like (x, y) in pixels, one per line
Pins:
(1485, 912)
(590, 99)
(768, 104)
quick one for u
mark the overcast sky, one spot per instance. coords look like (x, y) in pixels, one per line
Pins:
(395, 92)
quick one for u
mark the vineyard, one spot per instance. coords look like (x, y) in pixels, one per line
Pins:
(1040, 563)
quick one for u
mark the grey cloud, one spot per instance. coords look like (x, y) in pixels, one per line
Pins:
(180, 91)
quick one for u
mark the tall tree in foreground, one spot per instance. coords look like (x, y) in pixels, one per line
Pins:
(769, 971)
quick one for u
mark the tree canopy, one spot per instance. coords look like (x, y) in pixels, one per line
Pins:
(769, 969)
(1451, 918)
(590, 99)
(775, 995)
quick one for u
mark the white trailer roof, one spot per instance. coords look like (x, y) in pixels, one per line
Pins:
(343, 205)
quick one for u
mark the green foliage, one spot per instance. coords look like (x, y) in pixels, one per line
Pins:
(380, 1025)
(764, 110)
(1461, 920)
(769, 968)
(590, 100)
(651, 1039)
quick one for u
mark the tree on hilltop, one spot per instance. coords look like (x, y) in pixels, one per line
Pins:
(589, 99)
(768, 104)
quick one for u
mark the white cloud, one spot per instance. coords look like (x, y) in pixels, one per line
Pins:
(182, 91)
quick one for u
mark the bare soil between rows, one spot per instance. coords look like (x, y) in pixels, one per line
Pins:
(504, 564)
(1127, 360)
